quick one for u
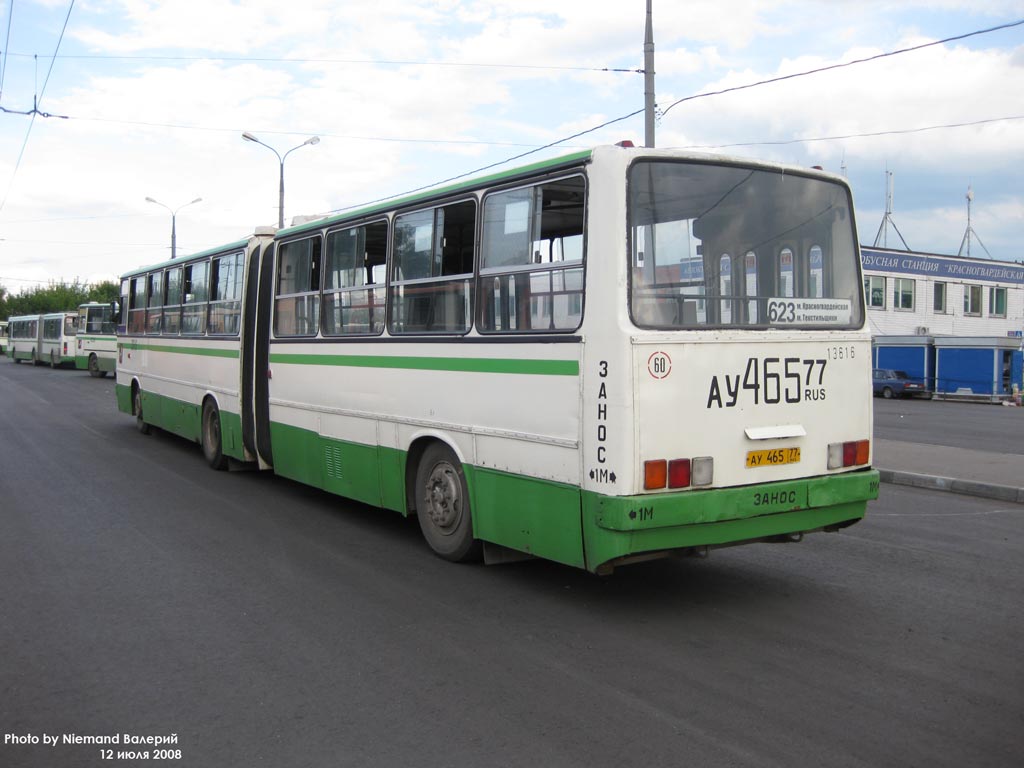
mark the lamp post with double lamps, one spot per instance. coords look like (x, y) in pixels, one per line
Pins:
(174, 216)
(281, 158)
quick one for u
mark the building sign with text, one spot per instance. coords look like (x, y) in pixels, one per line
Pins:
(941, 267)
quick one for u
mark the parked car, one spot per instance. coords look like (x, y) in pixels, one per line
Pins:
(889, 383)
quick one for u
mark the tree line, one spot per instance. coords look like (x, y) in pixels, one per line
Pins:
(55, 297)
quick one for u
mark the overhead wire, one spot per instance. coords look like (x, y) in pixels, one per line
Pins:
(368, 62)
(7, 45)
(35, 112)
(844, 64)
(694, 97)
(565, 139)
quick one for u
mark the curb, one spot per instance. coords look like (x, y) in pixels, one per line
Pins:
(953, 485)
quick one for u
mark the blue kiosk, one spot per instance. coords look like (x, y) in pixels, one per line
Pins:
(914, 355)
(984, 368)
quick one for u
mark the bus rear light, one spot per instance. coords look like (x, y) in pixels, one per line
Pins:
(679, 473)
(702, 471)
(863, 454)
(851, 454)
(655, 474)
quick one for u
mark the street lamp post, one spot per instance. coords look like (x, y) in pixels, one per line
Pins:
(281, 158)
(174, 216)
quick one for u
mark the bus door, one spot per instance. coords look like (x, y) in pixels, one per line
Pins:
(260, 368)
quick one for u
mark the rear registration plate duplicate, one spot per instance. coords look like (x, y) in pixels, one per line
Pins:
(773, 457)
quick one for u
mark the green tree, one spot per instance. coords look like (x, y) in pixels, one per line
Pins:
(56, 297)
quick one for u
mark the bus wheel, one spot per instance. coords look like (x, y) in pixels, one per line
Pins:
(442, 505)
(212, 449)
(94, 367)
(140, 425)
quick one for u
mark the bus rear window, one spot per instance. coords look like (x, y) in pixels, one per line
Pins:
(728, 246)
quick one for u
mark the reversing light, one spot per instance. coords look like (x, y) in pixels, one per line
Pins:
(702, 471)
(850, 454)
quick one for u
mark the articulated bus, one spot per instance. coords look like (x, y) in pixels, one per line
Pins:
(613, 356)
(44, 338)
(96, 346)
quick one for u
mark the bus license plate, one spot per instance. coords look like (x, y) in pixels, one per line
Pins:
(772, 458)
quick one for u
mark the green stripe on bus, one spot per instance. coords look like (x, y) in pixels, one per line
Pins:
(201, 351)
(458, 364)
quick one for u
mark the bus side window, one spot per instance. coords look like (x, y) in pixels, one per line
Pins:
(531, 258)
(172, 301)
(137, 306)
(432, 280)
(154, 302)
(196, 292)
(297, 296)
(354, 280)
(226, 294)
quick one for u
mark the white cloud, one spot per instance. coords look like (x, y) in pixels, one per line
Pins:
(76, 205)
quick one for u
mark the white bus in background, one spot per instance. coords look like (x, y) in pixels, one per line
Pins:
(3, 337)
(96, 342)
(612, 356)
(57, 345)
(23, 338)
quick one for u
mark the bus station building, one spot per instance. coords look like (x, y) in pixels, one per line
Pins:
(955, 322)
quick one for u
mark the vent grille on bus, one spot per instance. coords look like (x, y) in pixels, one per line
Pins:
(332, 461)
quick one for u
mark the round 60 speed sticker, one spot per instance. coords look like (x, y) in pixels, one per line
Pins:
(659, 365)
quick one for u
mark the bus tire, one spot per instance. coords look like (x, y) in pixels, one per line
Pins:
(442, 505)
(211, 440)
(140, 424)
(94, 367)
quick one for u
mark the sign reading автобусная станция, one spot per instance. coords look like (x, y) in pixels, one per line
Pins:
(941, 266)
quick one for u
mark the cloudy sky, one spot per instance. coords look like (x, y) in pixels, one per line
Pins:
(149, 98)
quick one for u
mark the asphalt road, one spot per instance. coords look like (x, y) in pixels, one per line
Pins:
(264, 623)
(979, 426)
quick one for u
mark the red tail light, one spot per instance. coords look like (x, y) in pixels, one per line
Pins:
(679, 473)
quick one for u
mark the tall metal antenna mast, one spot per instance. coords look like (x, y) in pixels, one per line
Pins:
(882, 237)
(966, 242)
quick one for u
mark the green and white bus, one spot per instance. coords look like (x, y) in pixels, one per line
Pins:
(616, 355)
(23, 338)
(44, 339)
(96, 345)
(57, 345)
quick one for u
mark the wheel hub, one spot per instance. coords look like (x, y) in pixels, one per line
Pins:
(443, 501)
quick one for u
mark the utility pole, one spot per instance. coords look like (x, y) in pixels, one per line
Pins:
(649, 80)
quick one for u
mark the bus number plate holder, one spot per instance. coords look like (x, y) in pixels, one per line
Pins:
(772, 457)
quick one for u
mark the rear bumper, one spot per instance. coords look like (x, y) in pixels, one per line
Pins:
(620, 527)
